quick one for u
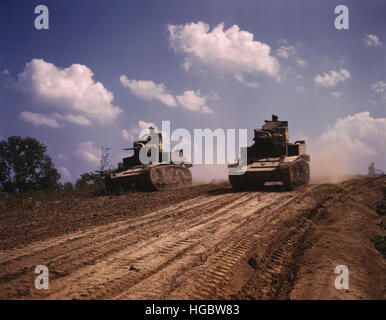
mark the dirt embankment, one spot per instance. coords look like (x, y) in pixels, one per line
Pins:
(201, 242)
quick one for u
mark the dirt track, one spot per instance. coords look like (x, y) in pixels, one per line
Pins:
(215, 244)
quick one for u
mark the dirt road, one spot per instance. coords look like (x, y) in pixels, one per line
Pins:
(213, 244)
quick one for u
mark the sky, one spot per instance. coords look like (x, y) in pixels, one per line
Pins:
(104, 70)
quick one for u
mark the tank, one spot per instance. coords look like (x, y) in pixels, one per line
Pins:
(271, 158)
(152, 176)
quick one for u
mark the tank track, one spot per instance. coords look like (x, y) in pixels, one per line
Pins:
(296, 174)
(164, 177)
(151, 179)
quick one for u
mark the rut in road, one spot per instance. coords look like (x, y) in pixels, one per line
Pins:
(133, 266)
(63, 255)
(183, 251)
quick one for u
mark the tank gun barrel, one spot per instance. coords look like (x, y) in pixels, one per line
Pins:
(132, 148)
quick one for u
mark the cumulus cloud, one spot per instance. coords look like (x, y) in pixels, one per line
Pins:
(194, 101)
(300, 62)
(62, 157)
(336, 94)
(251, 84)
(207, 110)
(87, 152)
(349, 146)
(54, 120)
(148, 90)
(38, 119)
(379, 87)
(332, 77)
(65, 175)
(286, 51)
(229, 51)
(371, 40)
(71, 90)
(137, 131)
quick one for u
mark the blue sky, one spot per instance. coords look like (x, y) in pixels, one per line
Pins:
(134, 39)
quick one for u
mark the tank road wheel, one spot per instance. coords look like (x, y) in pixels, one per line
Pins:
(296, 175)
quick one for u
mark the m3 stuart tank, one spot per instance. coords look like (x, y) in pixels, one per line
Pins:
(273, 158)
(152, 176)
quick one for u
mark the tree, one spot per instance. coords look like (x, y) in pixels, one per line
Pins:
(88, 179)
(25, 166)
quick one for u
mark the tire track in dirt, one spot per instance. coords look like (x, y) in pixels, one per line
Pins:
(15, 254)
(87, 247)
(212, 241)
(147, 257)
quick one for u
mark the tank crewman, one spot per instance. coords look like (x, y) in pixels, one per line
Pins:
(372, 169)
(275, 117)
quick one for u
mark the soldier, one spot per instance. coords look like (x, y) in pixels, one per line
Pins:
(372, 169)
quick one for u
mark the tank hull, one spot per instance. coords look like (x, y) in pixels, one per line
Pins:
(292, 171)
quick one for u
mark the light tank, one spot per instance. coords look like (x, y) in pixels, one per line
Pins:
(158, 174)
(272, 158)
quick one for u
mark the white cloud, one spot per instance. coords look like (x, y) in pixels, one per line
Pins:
(371, 40)
(71, 90)
(336, 94)
(213, 96)
(379, 86)
(76, 119)
(332, 78)
(125, 134)
(38, 119)
(65, 175)
(148, 90)
(62, 157)
(301, 62)
(240, 77)
(228, 51)
(193, 101)
(137, 131)
(53, 120)
(350, 146)
(88, 153)
(286, 51)
(206, 109)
